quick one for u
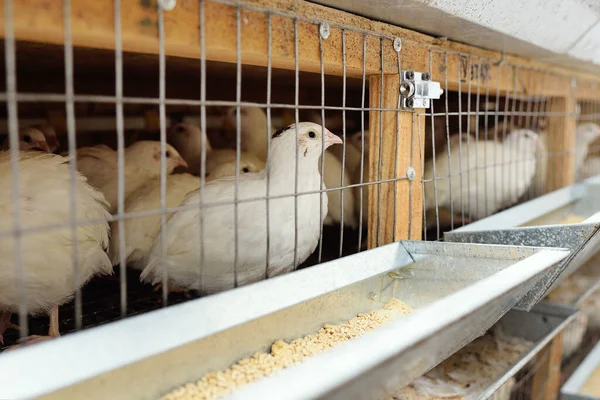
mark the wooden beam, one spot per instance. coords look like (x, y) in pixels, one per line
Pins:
(395, 211)
(546, 381)
(561, 142)
(92, 24)
(588, 90)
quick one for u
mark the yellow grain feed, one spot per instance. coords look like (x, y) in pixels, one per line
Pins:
(572, 219)
(283, 354)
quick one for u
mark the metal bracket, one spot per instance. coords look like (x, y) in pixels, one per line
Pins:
(417, 89)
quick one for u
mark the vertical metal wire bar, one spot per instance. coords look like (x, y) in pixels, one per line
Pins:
(238, 142)
(486, 136)
(120, 156)
(344, 139)
(528, 123)
(422, 166)
(448, 139)
(163, 149)
(380, 150)
(537, 123)
(297, 121)
(513, 175)
(519, 163)
(504, 171)
(322, 185)
(595, 118)
(70, 111)
(362, 147)
(546, 104)
(201, 253)
(477, 166)
(268, 133)
(13, 137)
(530, 102)
(497, 111)
(410, 183)
(460, 132)
(434, 158)
(469, 79)
(396, 157)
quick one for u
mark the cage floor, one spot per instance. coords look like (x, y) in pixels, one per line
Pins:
(101, 300)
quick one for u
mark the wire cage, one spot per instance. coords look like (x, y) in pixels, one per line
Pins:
(284, 74)
(588, 113)
(212, 87)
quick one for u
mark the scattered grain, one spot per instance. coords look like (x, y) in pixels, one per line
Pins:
(572, 219)
(219, 383)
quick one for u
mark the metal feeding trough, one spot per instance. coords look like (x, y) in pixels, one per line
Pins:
(458, 290)
(580, 385)
(537, 223)
(539, 326)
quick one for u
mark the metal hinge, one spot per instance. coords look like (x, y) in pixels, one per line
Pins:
(417, 89)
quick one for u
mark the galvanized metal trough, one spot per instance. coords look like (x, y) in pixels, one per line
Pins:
(539, 326)
(574, 388)
(459, 291)
(537, 223)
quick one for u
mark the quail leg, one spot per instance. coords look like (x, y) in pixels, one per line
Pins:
(170, 289)
(53, 332)
(5, 324)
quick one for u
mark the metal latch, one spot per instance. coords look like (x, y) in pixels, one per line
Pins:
(417, 89)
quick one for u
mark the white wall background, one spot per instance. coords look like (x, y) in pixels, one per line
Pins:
(566, 32)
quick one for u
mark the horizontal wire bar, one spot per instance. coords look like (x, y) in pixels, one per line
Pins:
(194, 206)
(33, 97)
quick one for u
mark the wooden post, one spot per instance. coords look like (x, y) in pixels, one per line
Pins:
(394, 209)
(546, 381)
(561, 142)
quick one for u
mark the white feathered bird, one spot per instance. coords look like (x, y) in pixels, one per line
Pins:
(140, 232)
(30, 138)
(50, 135)
(332, 178)
(47, 256)
(361, 156)
(142, 163)
(253, 128)
(183, 251)
(494, 175)
(186, 138)
(585, 134)
(591, 167)
(247, 164)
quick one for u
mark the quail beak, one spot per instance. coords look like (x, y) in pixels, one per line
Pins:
(55, 143)
(42, 146)
(331, 139)
(182, 163)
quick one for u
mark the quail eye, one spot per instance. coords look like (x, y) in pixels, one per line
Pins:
(180, 129)
(245, 170)
(311, 134)
(167, 154)
(27, 139)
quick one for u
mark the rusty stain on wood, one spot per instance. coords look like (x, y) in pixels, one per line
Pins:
(147, 3)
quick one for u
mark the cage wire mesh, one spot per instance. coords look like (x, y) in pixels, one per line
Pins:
(228, 100)
(488, 149)
(474, 163)
(588, 112)
(525, 380)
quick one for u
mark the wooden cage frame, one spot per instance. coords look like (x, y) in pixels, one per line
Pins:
(92, 26)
